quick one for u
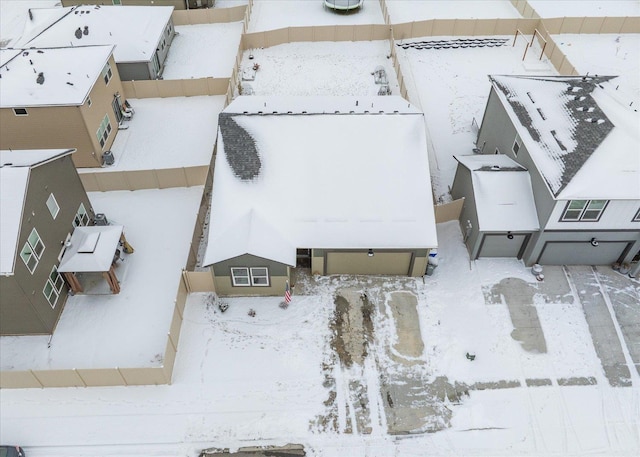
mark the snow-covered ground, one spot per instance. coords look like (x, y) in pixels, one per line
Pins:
(269, 379)
(277, 14)
(451, 87)
(203, 50)
(618, 54)
(586, 8)
(420, 10)
(185, 139)
(128, 329)
(320, 68)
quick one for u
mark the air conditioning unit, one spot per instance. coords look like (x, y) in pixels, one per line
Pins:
(100, 219)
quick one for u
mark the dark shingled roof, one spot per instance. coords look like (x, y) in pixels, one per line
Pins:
(591, 125)
(239, 148)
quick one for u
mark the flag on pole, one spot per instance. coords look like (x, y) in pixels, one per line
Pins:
(287, 293)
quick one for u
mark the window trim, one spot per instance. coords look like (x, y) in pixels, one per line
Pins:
(81, 217)
(251, 276)
(583, 211)
(513, 147)
(54, 213)
(33, 251)
(103, 132)
(15, 112)
(107, 73)
(636, 218)
(56, 287)
(254, 277)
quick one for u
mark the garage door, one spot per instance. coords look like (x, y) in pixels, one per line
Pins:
(359, 263)
(559, 253)
(501, 246)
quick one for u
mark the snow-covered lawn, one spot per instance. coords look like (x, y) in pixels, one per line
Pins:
(618, 55)
(277, 14)
(451, 87)
(586, 8)
(128, 329)
(420, 10)
(203, 50)
(166, 133)
(321, 68)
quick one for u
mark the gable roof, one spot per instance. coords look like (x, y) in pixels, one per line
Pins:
(15, 167)
(577, 130)
(134, 30)
(327, 180)
(502, 192)
(50, 76)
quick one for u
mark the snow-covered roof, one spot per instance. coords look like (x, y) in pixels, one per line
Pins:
(342, 179)
(92, 249)
(14, 177)
(134, 30)
(503, 194)
(50, 76)
(579, 131)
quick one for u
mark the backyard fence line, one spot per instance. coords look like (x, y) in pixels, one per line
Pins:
(161, 88)
(144, 179)
(449, 211)
(209, 15)
(113, 376)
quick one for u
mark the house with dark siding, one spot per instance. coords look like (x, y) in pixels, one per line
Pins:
(578, 137)
(42, 200)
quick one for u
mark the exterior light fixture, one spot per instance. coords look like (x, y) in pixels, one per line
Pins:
(370, 253)
(510, 235)
(594, 242)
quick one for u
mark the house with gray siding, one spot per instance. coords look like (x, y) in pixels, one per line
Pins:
(177, 4)
(141, 35)
(338, 183)
(42, 200)
(498, 215)
(578, 138)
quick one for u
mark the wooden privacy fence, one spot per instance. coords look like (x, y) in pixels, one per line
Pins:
(199, 281)
(449, 211)
(115, 376)
(209, 15)
(366, 32)
(105, 181)
(161, 88)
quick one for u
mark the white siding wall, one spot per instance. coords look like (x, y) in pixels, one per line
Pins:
(617, 215)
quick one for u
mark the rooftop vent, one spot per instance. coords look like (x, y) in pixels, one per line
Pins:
(541, 114)
(495, 167)
(530, 97)
(40, 78)
(78, 33)
(86, 30)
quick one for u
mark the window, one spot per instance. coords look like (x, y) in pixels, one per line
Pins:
(103, 132)
(516, 147)
(254, 276)
(636, 218)
(106, 73)
(52, 204)
(584, 210)
(260, 277)
(53, 287)
(240, 276)
(20, 111)
(81, 219)
(32, 251)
